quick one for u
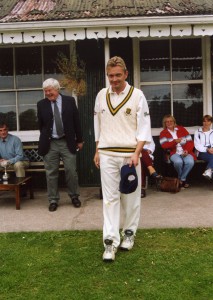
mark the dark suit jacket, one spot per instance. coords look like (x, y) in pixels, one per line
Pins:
(70, 119)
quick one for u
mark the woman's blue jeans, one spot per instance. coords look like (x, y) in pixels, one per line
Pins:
(208, 157)
(182, 164)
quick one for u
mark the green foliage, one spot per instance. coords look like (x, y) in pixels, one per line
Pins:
(28, 120)
(164, 265)
(10, 119)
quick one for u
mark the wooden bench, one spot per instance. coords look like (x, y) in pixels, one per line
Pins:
(36, 161)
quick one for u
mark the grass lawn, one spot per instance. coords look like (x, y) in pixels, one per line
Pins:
(164, 264)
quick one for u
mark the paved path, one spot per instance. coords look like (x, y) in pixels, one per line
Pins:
(191, 207)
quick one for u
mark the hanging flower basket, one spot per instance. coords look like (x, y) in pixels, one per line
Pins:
(73, 71)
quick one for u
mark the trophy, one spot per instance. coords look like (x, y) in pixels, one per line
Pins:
(5, 176)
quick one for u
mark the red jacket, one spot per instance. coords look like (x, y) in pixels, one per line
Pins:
(168, 143)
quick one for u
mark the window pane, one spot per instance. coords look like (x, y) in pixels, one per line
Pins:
(6, 68)
(28, 67)
(50, 55)
(8, 109)
(188, 104)
(154, 61)
(186, 59)
(159, 101)
(28, 109)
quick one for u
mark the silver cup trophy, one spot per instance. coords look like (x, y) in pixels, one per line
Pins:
(5, 176)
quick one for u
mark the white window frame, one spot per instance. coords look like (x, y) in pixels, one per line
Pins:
(206, 81)
(29, 135)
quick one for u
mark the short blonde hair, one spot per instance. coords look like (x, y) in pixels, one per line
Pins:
(52, 83)
(167, 117)
(116, 61)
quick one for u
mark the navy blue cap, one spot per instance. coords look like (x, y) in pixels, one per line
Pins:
(129, 179)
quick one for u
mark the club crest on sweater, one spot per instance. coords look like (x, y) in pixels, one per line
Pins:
(128, 111)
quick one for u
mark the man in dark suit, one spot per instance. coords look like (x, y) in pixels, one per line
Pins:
(60, 138)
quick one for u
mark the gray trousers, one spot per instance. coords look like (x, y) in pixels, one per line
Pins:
(59, 149)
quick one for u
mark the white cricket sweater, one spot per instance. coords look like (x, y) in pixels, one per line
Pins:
(116, 121)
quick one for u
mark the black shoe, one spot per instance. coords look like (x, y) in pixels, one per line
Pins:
(53, 206)
(156, 176)
(185, 184)
(143, 193)
(76, 202)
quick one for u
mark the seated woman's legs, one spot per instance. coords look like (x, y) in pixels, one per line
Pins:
(144, 172)
(183, 166)
(146, 159)
(147, 162)
(187, 166)
(208, 158)
(177, 161)
(143, 175)
(146, 169)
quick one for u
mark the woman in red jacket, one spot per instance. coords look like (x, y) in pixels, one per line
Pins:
(179, 142)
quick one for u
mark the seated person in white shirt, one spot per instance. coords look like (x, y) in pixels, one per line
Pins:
(203, 140)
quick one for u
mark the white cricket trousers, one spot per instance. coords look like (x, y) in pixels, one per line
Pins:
(114, 201)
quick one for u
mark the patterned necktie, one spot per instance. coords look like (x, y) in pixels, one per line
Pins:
(58, 122)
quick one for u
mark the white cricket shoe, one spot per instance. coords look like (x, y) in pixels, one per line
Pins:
(110, 250)
(208, 174)
(128, 240)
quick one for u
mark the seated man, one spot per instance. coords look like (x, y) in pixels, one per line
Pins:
(11, 152)
(147, 167)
